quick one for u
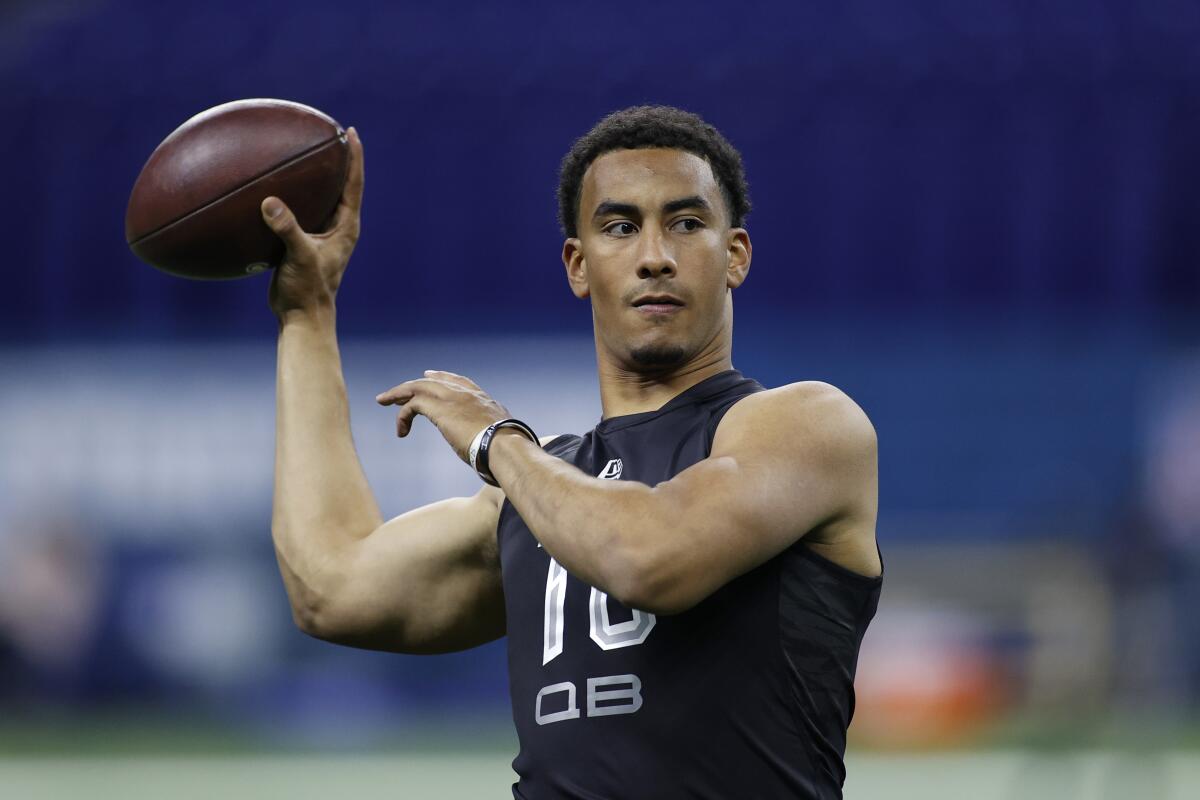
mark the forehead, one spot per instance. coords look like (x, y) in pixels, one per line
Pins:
(647, 177)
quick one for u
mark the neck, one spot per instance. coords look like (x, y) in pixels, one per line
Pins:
(624, 390)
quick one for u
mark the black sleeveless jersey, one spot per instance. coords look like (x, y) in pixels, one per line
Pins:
(746, 695)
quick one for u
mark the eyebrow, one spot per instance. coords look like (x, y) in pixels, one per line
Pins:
(611, 207)
(630, 210)
(695, 201)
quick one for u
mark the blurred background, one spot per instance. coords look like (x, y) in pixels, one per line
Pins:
(979, 218)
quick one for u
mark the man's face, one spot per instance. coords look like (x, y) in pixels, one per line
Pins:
(653, 226)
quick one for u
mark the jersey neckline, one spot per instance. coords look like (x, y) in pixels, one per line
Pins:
(710, 386)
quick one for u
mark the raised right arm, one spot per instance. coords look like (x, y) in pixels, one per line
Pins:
(426, 581)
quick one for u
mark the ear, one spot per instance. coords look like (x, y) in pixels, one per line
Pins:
(740, 252)
(576, 264)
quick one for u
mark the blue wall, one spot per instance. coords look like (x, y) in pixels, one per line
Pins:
(926, 156)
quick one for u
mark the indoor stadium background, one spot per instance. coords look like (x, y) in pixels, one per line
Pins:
(979, 218)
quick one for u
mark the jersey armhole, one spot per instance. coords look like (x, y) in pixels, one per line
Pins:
(718, 414)
(552, 446)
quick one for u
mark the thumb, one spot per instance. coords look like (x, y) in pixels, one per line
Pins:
(280, 219)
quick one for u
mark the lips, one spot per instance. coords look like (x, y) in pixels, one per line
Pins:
(658, 310)
(657, 300)
(658, 305)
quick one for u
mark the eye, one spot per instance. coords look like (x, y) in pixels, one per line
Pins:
(686, 225)
(620, 228)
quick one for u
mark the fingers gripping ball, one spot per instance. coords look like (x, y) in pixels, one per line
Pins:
(195, 207)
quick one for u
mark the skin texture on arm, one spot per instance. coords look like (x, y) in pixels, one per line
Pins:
(790, 462)
(426, 581)
(797, 461)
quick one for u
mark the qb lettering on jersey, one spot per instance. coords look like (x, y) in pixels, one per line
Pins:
(608, 636)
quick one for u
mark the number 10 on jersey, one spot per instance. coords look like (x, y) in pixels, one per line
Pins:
(607, 635)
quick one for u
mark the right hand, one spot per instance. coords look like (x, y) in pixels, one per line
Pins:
(312, 270)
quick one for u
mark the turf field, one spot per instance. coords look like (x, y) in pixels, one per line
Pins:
(997, 775)
(446, 758)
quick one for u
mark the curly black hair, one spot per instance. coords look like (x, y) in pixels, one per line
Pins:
(645, 127)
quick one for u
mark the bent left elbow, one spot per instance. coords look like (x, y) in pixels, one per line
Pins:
(655, 592)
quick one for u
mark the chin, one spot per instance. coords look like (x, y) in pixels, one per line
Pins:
(658, 356)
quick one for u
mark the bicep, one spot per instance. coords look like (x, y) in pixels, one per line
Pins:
(782, 464)
(427, 581)
(804, 459)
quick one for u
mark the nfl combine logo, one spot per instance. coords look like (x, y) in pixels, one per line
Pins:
(611, 471)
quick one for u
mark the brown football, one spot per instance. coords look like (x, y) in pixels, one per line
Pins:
(194, 209)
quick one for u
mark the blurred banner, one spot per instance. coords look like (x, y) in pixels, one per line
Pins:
(1039, 521)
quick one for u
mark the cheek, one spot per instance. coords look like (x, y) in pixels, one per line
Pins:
(717, 276)
(604, 290)
(603, 279)
(606, 299)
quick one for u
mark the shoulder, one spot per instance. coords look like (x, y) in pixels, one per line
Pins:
(811, 454)
(816, 414)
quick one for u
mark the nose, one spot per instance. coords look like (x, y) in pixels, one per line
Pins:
(655, 257)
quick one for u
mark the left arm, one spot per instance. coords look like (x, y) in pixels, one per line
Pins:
(784, 463)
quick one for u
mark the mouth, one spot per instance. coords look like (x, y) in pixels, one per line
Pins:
(658, 304)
